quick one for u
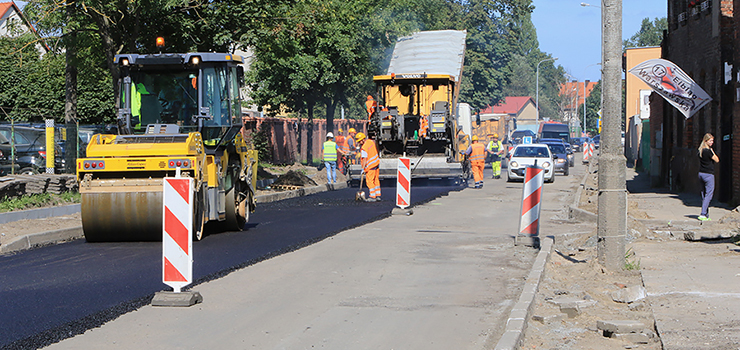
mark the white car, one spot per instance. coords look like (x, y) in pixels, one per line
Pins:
(523, 156)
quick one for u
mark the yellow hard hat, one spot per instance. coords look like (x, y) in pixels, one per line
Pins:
(340, 130)
(475, 137)
(494, 135)
(359, 137)
(352, 130)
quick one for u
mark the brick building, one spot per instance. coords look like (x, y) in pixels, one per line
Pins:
(700, 40)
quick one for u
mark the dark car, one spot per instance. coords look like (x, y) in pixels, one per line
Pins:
(560, 156)
(577, 143)
(30, 148)
(568, 149)
(517, 136)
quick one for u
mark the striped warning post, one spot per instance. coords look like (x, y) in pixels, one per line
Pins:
(591, 150)
(177, 236)
(403, 185)
(529, 225)
(585, 152)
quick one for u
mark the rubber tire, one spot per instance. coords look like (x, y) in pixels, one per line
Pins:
(508, 179)
(552, 179)
(566, 172)
(28, 171)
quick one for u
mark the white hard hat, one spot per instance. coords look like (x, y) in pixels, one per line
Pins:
(329, 134)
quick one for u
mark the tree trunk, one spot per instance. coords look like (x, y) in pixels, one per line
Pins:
(70, 103)
(109, 47)
(309, 132)
(331, 108)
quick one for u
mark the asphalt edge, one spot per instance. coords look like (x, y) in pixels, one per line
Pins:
(73, 233)
(516, 324)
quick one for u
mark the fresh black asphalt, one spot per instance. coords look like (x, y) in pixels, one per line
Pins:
(55, 292)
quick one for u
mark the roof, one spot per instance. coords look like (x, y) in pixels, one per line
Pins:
(4, 7)
(511, 105)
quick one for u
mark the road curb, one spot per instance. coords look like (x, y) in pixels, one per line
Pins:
(69, 234)
(516, 324)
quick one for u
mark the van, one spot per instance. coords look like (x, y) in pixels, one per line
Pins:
(555, 131)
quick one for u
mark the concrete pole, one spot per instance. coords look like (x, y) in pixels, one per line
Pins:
(612, 208)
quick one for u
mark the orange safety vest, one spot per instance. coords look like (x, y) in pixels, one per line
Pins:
(479, 153)
(371, 161)
(342, 144)
(370, 104)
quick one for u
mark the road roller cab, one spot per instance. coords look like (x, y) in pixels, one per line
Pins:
(179, 115)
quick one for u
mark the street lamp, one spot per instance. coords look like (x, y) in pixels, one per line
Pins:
(537, 98)
(589, 5)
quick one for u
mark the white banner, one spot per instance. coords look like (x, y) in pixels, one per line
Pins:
(668, 80)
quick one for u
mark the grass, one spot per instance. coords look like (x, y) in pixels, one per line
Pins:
(630, 264)
(38, 201)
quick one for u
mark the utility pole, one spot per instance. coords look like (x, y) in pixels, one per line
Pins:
(70, 99)
(612, 208)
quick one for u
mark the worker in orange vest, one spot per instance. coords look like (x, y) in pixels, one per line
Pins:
(370, 162)
(424, 127)
(343, 151)
(371, 105)
(477, 153)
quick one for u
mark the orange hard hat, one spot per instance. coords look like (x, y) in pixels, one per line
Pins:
(370, 97)
(360, 136)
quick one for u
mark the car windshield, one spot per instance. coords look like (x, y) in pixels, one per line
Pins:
(555, 148)
(531, 152)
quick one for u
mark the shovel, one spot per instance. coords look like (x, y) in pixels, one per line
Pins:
(360, 195)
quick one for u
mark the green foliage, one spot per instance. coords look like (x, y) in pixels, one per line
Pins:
(630, 263)
(262, 143)
(650, 33)
(38, 200)
(593, 105)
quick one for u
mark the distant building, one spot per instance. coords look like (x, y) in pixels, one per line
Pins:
(13, 24)
(573, 96)
(520, 112)
(700, 39)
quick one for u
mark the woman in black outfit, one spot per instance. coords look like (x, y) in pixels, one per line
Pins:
(707, 158)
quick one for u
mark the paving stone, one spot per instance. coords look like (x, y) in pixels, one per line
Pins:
(619, 326)
(635, 338)
(570, 309)
(548, 319)
(629, 294)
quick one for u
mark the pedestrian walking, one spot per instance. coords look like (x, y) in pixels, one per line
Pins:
(330, 158)
(370, 165)
(707, 158)
(496, 150)
(477, 153)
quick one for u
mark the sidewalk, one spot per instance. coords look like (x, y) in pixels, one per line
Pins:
(693, 287)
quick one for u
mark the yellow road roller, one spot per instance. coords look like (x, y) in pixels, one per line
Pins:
(178, 115)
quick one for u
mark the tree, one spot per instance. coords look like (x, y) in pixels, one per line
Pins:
(650, 33)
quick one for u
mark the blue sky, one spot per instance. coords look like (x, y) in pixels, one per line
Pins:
(572, 33)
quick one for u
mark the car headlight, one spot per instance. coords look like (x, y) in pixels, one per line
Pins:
(546, 164)
(514, 164)
(560, 160)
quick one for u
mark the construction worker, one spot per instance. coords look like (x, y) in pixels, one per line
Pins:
(330, 158)
(343, 151)
(424, 126)
(370, 165)
(496, 150)
(477, 153)
(370, 105)
(352, 146)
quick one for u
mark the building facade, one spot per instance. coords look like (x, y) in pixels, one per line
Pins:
(700, 39)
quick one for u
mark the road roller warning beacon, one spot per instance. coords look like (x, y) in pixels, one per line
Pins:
(178, 115)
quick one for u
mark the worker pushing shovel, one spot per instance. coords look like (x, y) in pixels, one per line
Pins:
(370, 163)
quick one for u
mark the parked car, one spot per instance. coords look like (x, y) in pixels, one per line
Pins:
(30, 148)
(518, 135)
(568, 150)
(577, 143)
(6, 165)
(523, 156)
(560, 157)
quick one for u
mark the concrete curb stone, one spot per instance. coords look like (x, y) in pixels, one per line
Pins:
(73, 233)
(518, 318)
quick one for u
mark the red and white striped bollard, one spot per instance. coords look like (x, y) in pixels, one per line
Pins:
(529, 223)
(403, 187)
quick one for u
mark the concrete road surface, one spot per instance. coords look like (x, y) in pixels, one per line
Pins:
(445, 277)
